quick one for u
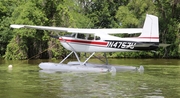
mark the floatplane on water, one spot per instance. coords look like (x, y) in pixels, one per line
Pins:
(100, 40)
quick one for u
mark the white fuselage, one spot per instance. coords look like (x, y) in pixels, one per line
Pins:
(107, 43)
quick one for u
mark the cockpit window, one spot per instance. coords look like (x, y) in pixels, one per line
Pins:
(73, 35)
(97, 38)
(80, 36)
(90, 37)
(83, 36)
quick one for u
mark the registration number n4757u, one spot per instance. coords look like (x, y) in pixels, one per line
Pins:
(120, 44)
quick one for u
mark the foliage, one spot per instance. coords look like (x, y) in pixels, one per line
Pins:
(6, 8)
(16, 49)
(169, 11)
(30, 43)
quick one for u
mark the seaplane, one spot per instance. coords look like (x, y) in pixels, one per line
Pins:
(101, 40)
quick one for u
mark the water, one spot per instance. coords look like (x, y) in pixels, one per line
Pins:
(25, 80)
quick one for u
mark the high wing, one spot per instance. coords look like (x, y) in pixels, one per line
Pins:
(80, 30)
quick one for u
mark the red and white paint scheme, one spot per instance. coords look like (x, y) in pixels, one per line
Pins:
(102, 40)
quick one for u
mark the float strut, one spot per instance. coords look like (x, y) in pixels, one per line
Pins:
(88, 58)
(77, 57)
(66, 57)
(106, 59)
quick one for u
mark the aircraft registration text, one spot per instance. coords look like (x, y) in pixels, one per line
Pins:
(121, 45)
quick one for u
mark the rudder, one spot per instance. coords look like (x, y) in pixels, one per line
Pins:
(150, 29)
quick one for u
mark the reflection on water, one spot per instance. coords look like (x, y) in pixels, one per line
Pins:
(26, 80)
(103, 85)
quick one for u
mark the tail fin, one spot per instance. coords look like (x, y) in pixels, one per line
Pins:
(150, 29)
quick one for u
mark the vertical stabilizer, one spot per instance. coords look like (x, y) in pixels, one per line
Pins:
(150, 29)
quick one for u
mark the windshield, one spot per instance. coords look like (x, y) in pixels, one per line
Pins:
(71, 35)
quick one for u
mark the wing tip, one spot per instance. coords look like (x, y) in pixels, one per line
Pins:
(16, 26)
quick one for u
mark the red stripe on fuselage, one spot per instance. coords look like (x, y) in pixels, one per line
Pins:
(149, 37)
(84, 42)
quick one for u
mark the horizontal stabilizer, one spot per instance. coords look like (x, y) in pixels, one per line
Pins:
(164, 45)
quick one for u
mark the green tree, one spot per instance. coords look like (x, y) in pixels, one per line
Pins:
(6, 8)
(25, 40)
(102, 12)
(169, 11)
(27, 43)
(132, 15)
(64, 14)
(30, 42)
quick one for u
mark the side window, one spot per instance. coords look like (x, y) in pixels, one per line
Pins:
(97, 38)
(80, 36)
(91, 37)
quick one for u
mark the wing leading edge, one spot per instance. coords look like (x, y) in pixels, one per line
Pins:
(80, 30)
